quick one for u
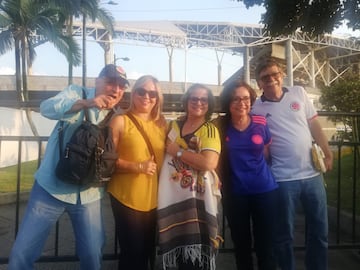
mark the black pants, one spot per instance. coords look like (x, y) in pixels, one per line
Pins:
(136, 236)
(251, 220)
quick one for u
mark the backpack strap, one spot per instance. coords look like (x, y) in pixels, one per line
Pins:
(61, 127)
(61, 137)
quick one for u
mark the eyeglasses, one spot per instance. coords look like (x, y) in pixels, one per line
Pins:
(142, 92)
(267, 77)
(196, 100)
(238, 100)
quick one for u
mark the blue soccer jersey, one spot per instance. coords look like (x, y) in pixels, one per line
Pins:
(249, 172)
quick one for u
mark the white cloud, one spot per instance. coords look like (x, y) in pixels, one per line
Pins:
(7, 71)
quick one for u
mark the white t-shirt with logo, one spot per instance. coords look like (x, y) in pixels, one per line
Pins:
(288, 118)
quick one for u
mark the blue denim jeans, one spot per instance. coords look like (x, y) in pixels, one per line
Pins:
(41, 214)
(310, 193)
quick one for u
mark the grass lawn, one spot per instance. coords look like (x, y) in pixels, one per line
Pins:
(8, 177)
(349, 192)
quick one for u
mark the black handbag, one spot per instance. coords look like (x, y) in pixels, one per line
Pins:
(89, 158)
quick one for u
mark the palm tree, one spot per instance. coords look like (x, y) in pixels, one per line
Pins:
(86, 9)
(22, 24)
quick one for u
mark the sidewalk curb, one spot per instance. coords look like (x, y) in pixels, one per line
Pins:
(346, 220)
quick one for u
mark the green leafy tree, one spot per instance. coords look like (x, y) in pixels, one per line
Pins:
(22, 22)
(344, 96)
(352, 13)
(311, 16)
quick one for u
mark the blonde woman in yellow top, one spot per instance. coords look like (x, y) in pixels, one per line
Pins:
(133, 187)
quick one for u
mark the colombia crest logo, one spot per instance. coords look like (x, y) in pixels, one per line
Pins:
(295, 106)
(257, 139)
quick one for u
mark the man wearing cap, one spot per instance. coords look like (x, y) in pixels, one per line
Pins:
(50, 197)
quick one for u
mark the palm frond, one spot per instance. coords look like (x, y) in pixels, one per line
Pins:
(107, 20)
(6, 41)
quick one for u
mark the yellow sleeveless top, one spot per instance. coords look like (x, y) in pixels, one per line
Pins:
(138, 191)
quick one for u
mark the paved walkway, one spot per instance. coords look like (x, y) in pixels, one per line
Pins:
(338, 259)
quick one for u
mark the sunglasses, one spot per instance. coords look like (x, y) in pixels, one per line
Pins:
(196, 100)
(142, 93)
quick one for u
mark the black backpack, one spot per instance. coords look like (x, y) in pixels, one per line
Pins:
(90, 156)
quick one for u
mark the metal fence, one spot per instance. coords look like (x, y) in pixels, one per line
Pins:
(344, 220)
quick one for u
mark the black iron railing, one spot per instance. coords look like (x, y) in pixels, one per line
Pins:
(343, 221)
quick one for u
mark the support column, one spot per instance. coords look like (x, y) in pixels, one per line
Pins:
(219, 68)
(289, 62)
(107, 44)
(327, 73)
(170, 51)
(219, 71)
(246, 65)
(312, 69)
(109, 51)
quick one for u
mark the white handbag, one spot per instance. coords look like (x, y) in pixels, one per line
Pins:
(318, 158)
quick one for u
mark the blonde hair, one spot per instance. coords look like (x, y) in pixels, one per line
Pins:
(156, 112)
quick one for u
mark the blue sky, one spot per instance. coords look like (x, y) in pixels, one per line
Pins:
(201, 64)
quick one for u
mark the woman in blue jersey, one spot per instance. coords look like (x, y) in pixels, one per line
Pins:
(249, 188)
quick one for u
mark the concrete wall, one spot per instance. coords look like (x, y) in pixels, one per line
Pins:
(56, 83)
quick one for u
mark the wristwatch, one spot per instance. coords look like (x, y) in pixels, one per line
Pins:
(179, 153)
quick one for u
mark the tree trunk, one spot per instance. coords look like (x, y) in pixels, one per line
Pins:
(31, 122)
(25, 87)
(18, 71)
(23, 70)
(69, 26)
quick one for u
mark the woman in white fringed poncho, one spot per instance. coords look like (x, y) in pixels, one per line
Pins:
(189, 188)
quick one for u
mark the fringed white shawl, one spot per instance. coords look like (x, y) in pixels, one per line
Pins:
(188, 215)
